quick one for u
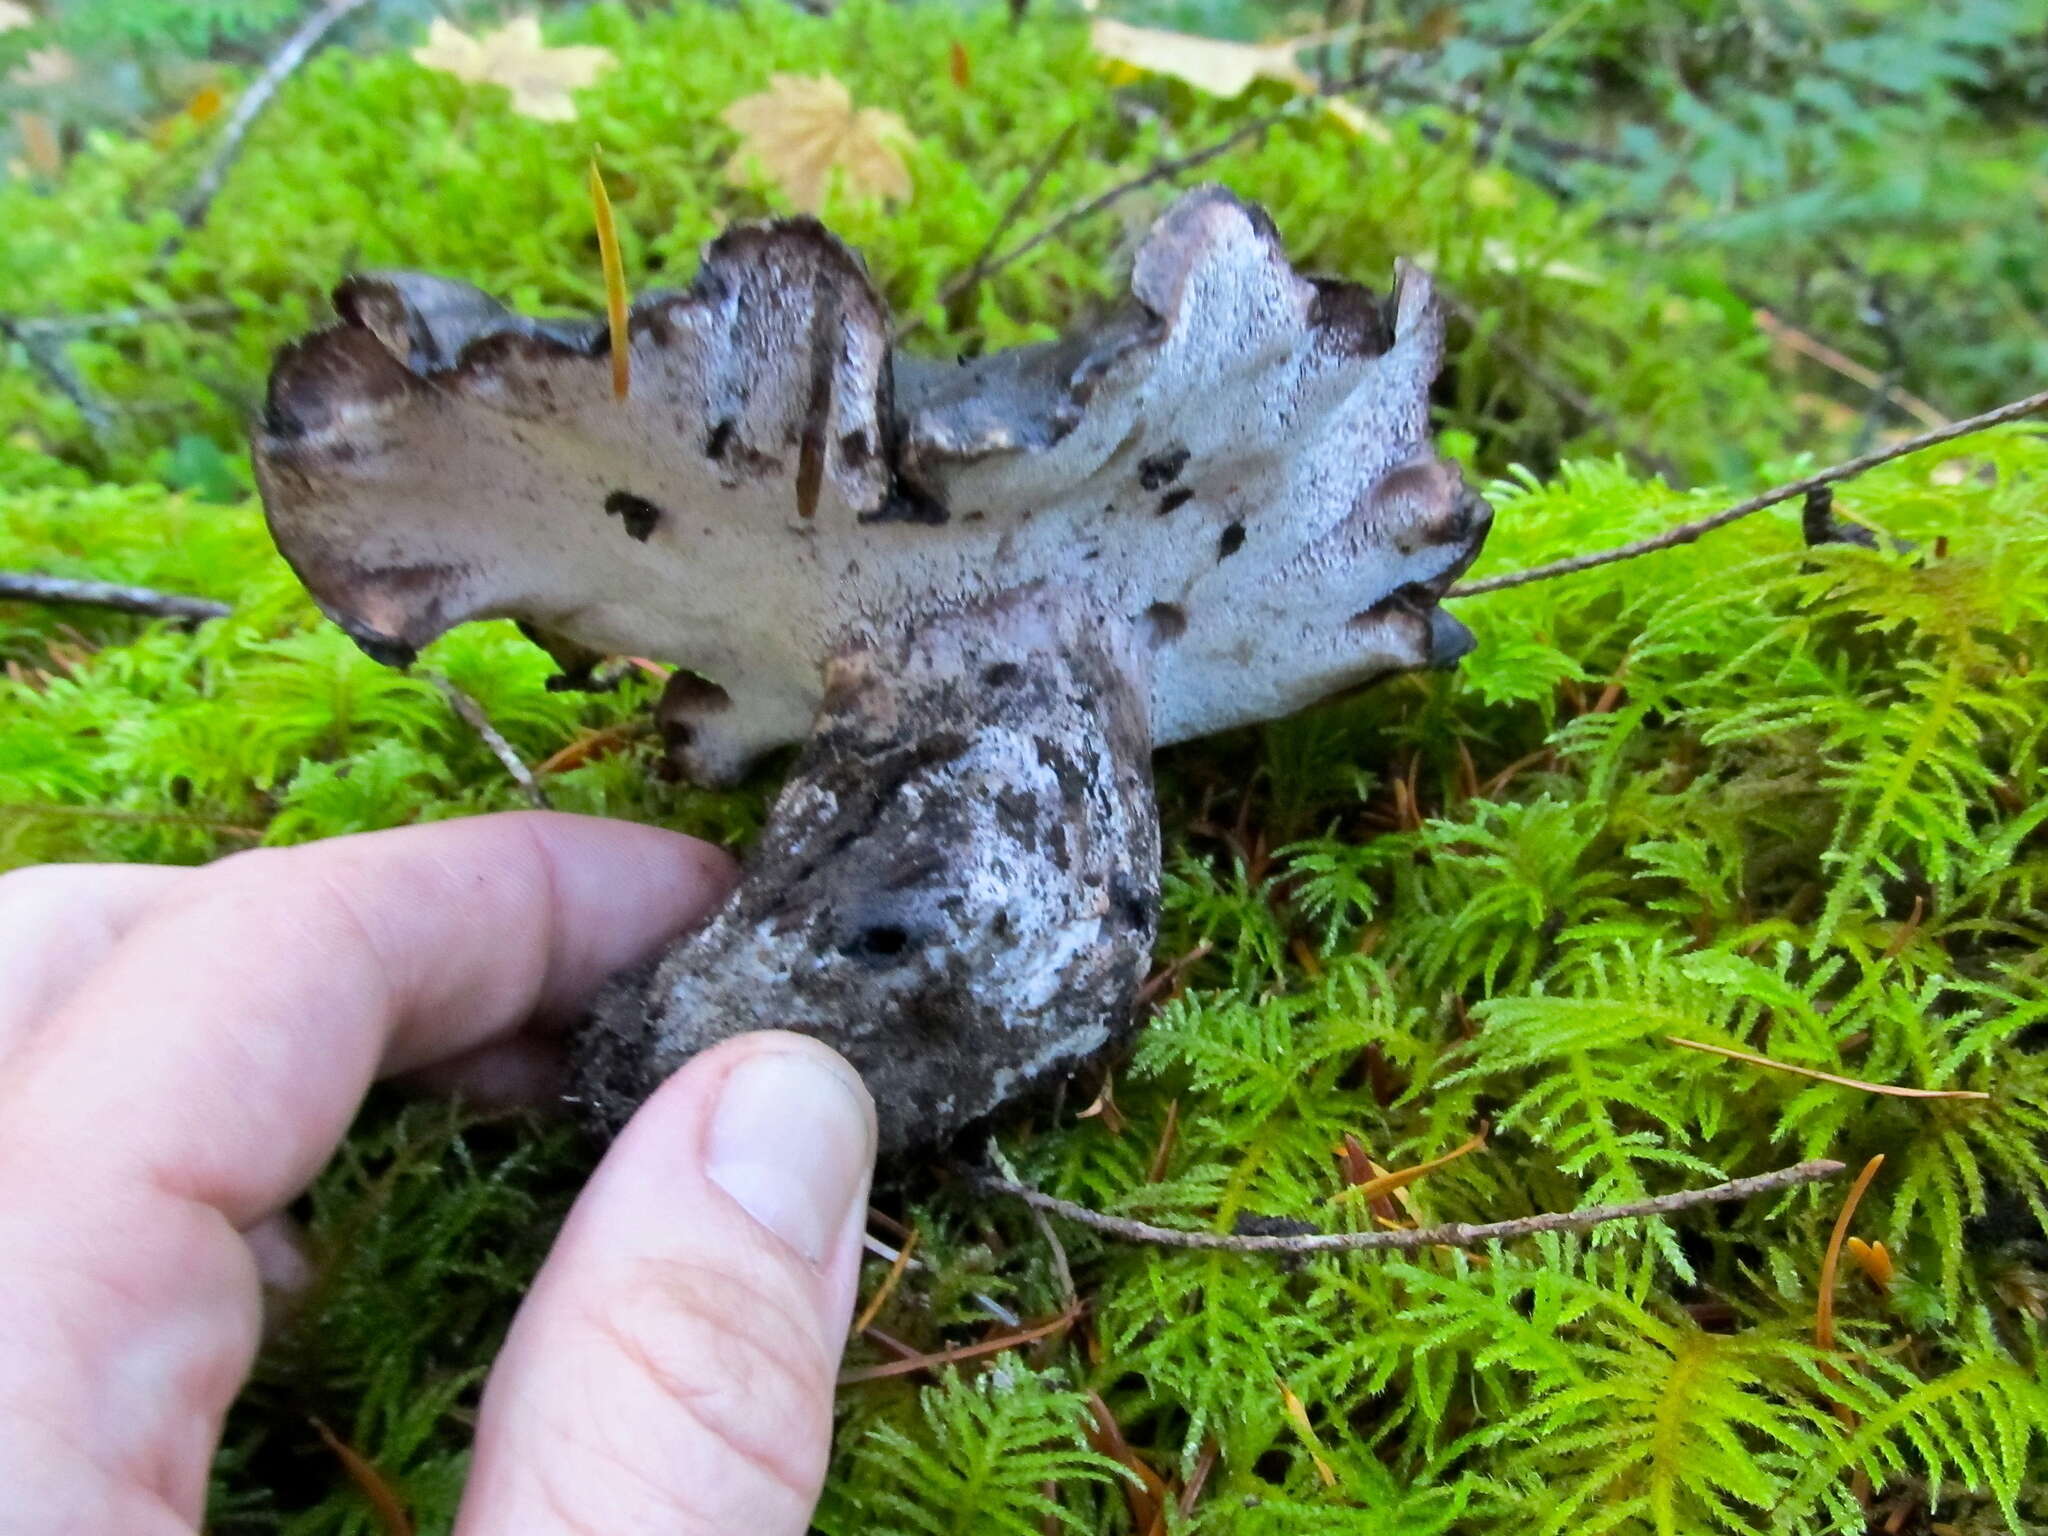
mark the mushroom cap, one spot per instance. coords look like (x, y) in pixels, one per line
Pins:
(1236, 462)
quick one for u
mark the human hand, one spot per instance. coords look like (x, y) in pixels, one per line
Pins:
(181, 1049)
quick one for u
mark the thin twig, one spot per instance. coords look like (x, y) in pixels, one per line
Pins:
(50, 363)
(1685, 533)
(1497, 125)
(1539, 373)
(963, 1352)
(138, 818)
(122, 319)
(1809, 345)
(30, 587)
(299, 47)
(1457, 1234)
(1019, 205)
(1888, 1089)
(473, 716)
(1165, 170)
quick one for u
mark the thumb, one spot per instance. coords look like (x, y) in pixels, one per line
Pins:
(672, 1369)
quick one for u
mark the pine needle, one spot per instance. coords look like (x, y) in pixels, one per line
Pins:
(614, 283)
(1401, 1178)
(880, 1299)
(1887, 1089)
(940, 1357)
(1824, 1312)
(370, 1483)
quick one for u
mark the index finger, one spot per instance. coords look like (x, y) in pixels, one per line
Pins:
(224, 1045)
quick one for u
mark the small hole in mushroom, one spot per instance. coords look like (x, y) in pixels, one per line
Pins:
(636, 512)
(1002, 674)
(1180, 496)
(883, 941)
(1231, 542)
(719, 440)
(1164, 624)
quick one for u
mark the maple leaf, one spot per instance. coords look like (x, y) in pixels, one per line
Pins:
(540, 78)
(802, 129)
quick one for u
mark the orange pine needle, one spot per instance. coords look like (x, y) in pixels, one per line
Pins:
(370, 1483)
(1148, 1496)
(880, 1299)
(963, 1352)
(1401, 1178)
(1163, 1153)
(1824, 1312)
(614, 283)
(1888, 1089)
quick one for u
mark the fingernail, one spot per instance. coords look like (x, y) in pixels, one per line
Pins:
(791, 1141)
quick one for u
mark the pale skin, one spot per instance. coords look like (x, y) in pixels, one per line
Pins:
(181, 1050)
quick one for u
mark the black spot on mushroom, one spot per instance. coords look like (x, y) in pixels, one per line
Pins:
(1162, 469)
(1002, 674)
(636, 512)
(1231, 542)
(1165, 623)
(719, 440)
(1179, 497)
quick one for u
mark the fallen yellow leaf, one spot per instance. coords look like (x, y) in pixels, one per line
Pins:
(45, 66)
(1223, 68)
(540, 78)
(803, 128)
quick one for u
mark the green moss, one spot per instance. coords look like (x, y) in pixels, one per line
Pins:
(1739, 792)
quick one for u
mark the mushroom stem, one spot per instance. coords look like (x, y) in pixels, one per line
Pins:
(958, 888)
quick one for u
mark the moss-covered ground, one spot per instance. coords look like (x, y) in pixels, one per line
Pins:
(1741, 792)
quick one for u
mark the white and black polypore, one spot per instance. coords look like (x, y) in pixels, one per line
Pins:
(978, 593)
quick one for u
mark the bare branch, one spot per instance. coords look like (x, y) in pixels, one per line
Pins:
(476, 719)
(1685, 533)
(139, 818)
(1166, 170)
(299, 47)
(122, 319)
(29, 587)
(1455, 1234)
(1833, 358)
(50, 363)
(1647, 460)
(979, 267)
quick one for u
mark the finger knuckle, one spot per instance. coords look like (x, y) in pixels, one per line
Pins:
(735, 1356)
